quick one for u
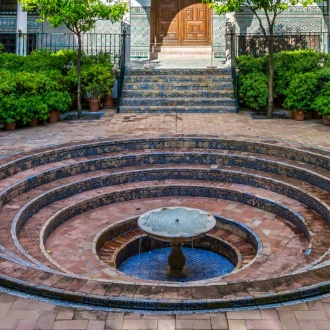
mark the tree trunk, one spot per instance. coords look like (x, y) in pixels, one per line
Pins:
(79, 76)
(271, 73)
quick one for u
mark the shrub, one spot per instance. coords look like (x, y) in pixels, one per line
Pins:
(322, 102)
(30, 107)
(288, 64)
(248, 64)
(302, 91)
(254, 90)
(55, 100)
(97, 80)
(9, 109)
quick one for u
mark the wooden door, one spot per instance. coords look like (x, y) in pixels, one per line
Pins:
(180, 23)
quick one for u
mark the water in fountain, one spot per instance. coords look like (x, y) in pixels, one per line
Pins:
(152, 265)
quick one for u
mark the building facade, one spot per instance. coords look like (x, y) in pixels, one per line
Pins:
(155, 26)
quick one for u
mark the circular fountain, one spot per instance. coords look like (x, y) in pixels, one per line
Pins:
(81, 202)
(176, 225)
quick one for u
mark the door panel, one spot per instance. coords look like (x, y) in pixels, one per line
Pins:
(166, 22)
(195, 23)
(181, 22)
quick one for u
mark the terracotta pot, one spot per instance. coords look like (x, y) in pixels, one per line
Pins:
(316, 114)
(34, 122)
(299, 115)
(10, 126)
(94, 105)
(53, 116)
(325, 120)
(108, 101)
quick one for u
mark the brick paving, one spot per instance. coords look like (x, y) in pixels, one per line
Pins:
(19, 313)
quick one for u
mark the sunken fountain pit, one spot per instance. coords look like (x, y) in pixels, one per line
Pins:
(68, 221)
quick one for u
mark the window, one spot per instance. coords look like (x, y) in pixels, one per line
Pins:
(8, 7)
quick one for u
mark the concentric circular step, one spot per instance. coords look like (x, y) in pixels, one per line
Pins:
(56, 203)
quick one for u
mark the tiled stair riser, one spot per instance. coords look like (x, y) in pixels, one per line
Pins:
(183, 158)
(149, 192)
(311, 156)
(178, 87)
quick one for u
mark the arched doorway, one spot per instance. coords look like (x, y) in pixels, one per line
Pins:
(180, 23)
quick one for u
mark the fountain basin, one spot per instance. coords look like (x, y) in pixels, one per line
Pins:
(176, 225)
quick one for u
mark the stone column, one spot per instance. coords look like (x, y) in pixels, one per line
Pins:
(126, 24)
(21, 41)
(230, 28)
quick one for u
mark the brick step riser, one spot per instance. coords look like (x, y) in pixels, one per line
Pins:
(175, 94)
(217, 109)
(182, 102)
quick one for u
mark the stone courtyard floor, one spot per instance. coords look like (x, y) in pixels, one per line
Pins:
(20, 313)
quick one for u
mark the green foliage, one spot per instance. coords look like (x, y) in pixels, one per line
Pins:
(248, 64)
(9, 109)
(59, 101)
(7, 83)
(322, 102)
(2, 48)
(78, 16)
(254, 90)
(99, 58)
(32, 106)
(11, 62)
(97, 80)
(288, 64)
(302, 91)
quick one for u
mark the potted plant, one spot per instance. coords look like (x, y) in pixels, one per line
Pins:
(253, 90)
(322, 104)
(9, 113)
(97, 80)
(56, 102)
(301, 94)
(32, 110)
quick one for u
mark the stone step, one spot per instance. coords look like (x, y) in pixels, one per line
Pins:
(191, 52)
(182, 72)
(177, 102)
(178, 109)
(174, 93)
(178, 86)
(179, 78)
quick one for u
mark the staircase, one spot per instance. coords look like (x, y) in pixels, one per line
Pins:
(177, 90)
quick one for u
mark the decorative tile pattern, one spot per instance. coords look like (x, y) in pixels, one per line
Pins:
(219, 35)
(140, 32)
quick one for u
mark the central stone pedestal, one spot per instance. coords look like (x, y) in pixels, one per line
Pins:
(176, 225)
(176, 262)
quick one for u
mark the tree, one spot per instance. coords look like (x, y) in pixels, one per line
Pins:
(79, 16)
(271, 9)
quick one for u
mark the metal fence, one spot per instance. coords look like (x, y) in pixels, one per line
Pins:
(92, 43)
(256, 45)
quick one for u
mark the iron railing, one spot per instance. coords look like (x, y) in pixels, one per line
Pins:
(256, 44)
(92, 43)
